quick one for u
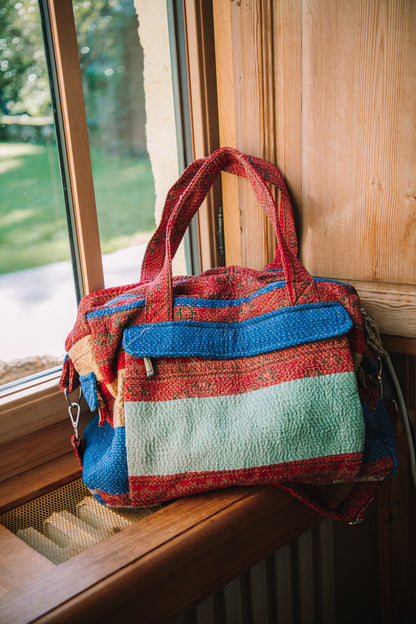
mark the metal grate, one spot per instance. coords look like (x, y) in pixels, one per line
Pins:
(67, 521)
(293, 586)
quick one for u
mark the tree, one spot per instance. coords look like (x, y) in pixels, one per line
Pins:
(24, 86)
(111, 60)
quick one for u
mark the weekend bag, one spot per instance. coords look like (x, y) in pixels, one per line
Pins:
(231, 377)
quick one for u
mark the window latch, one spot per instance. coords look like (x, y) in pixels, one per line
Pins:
(220, 231)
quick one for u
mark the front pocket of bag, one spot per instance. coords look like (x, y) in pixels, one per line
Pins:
(200, 416)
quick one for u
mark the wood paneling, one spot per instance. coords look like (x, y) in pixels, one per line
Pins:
(327, 89)
(204, 117)
(19, 563)
(227, 124)
(359, 139)
(359, 151)
(239, 78)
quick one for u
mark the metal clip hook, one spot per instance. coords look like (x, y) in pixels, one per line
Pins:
(74, 416)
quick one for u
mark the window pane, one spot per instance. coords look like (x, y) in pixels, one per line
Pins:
(128, 96)
(125, 62)
(36, 282)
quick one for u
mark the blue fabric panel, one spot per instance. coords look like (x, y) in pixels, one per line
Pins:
(105, 458)
(128, 306)
(265, 333)
(132, 301)
(136, 301)
(89, 390)
(380, 439)
(192, 302)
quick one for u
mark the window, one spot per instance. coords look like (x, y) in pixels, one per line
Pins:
(36, 285)
(33, 419)
(32, 409)
(124, 119)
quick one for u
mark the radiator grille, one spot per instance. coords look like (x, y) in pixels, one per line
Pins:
(293, 586)
(67, 521)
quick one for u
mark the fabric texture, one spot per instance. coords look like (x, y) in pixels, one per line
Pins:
(231, 377)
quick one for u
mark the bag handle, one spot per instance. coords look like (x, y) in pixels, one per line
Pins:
(300, 286)
(155, 252)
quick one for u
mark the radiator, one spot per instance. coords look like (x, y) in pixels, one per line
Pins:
(293, 586)
(328, 575)
(67, 521)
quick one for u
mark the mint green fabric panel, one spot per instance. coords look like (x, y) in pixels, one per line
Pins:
(291, 421)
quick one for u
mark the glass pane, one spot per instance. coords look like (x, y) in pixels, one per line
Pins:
(36, 282)
(125, 65)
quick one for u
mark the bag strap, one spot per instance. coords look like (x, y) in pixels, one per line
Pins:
(154, 256)
(155, 252)
(300, 285)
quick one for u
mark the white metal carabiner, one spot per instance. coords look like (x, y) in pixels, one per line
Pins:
(74, 415)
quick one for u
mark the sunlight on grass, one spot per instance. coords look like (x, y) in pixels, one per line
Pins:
(10, 154)
(9, 165)
(13, 150)
(16, 216)
(33, 228)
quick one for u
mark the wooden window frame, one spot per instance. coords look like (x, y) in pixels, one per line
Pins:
(69, 83)
(36, 407)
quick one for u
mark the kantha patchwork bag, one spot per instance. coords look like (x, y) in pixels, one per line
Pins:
(231, 377)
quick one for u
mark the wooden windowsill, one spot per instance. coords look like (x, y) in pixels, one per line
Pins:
(159, 568)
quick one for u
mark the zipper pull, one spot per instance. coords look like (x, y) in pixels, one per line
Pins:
(150, 371)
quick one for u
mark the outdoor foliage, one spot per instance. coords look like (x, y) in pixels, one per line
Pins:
(33, 228)
(111, 59)
(24, 86)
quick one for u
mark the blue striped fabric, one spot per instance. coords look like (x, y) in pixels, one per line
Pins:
(262, 334)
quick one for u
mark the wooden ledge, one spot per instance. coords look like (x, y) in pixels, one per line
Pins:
(165, 564)
(37, 481)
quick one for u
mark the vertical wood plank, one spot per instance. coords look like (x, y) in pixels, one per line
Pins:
(359, 139)
(268, 108)
(204, 116)
(397, 514)
(224, 54)
(287, 65)
(249, 130)
(244, 53)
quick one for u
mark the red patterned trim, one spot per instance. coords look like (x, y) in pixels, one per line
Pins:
(149, 490)
(180, 378)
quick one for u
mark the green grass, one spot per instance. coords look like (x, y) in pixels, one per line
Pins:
(33, 229)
